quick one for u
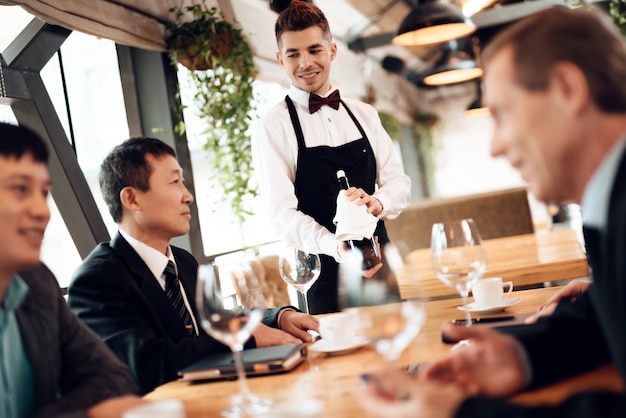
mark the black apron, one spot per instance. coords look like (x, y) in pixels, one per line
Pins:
(316, 188)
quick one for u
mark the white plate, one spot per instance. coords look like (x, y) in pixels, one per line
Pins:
(324, 347)
(474, 308)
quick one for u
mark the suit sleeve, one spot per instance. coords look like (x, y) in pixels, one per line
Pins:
(107, 299)
(560, 346)
(88, 372)
(584, 405)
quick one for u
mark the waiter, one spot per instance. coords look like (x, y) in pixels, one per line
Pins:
(302, 142)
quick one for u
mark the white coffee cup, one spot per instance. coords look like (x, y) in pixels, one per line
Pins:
(339, 329)
(490, 292)
(170, 408)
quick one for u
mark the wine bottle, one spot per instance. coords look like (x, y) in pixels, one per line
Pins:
(366, 247)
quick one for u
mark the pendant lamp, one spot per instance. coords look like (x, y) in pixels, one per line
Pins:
(456, 65)
(476, 108)
(432, 22)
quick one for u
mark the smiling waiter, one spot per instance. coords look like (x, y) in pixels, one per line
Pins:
(301, 143)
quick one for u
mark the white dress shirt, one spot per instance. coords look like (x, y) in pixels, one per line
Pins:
(157, 262)
(596, 198)
(275, 153)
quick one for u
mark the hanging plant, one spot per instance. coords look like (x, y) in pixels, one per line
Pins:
(222, 71)
(390, 123)
(617, 11)
(426, 149)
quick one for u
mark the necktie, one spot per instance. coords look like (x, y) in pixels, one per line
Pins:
(315, 101)
(172, 289)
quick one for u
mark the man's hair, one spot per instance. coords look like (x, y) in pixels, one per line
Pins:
(16, 141)
(300, 15)
(126, 166)
(585, 37)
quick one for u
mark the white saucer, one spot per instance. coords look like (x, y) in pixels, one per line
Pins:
(324, 347)
(507, 302)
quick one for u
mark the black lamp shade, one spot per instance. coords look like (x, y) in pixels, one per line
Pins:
(433, 22)
(456, 65)
(476, 108)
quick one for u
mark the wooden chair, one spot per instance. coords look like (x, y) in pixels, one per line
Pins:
(496, 214)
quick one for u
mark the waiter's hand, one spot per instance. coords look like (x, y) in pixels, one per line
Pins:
(344, 250)
(361, 198)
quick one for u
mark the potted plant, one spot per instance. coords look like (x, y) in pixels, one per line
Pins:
(222, 72)
(617, 10)
(391, 124)
(426, 149)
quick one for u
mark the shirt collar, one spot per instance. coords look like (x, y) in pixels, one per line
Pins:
(15, 295)
(155, 260)
(597, 195)
(302, 97)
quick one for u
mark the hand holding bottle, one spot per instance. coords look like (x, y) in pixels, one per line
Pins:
(360, 197)
(344, 248)
(356, 227)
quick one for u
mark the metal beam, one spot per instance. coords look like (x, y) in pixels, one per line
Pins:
(32, 107)
(362, 44)
(35, 45)
(70, 189)
(153, 108)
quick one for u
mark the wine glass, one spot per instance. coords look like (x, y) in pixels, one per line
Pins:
(232, 323)
(458, 257)
(299, 269)
(389, 322)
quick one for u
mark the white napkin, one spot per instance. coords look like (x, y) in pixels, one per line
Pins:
(352, 220)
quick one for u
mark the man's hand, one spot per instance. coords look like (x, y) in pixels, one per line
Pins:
(570, 291)
(393, 393)
(298, 323)
(491, 364)
(266, 336)
(360, 197)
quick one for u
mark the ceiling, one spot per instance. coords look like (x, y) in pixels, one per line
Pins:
(368, 25)
(365, 26)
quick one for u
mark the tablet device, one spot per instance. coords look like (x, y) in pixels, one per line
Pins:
(256, 361)
(508, 324)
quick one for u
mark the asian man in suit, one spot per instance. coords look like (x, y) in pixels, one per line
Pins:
(122, 289)
(51, 364)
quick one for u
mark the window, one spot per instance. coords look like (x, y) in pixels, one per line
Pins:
(219, 233)
(98, 120)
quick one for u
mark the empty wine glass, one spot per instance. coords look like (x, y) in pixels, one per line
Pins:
(230, 322)
(389, 322)
(458, 257)
(299, 269)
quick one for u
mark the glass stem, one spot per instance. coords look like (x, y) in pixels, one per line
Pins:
(306, 302)
(241, 374)
(468, 315)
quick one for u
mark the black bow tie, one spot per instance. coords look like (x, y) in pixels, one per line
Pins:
(315, 101)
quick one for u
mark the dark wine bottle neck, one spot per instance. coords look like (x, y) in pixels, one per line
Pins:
(343, 183)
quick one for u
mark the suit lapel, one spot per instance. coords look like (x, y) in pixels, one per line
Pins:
(187, 273)
(149, 287)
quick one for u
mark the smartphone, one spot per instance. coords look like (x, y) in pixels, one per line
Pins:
(484, 320)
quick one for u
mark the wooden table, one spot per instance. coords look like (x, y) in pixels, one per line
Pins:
(528, 259)
(330, 380)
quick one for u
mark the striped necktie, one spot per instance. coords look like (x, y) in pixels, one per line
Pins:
(172, 289)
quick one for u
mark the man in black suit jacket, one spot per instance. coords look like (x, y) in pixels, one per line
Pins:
(119, 289)
(555, 85)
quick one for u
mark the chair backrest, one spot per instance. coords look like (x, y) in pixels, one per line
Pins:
(496, 214)
(274, 288)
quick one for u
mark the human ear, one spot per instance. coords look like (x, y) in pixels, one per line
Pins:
(570, 83)
(333, 51)
(128, 199)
